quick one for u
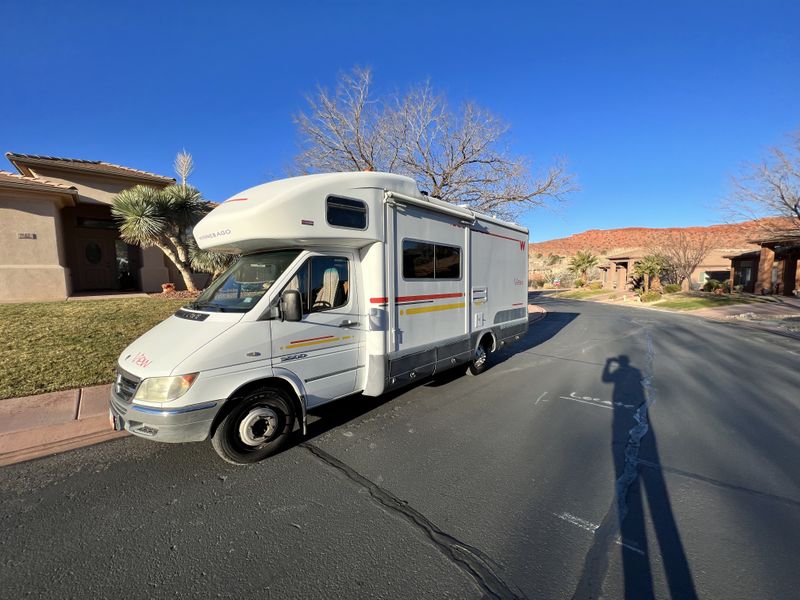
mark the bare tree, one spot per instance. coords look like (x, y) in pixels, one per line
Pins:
(770, 188)
(183, 165)
(456, 155)
(685, 252)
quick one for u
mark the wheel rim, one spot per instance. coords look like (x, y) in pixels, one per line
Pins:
(480, 357)
(258, 426)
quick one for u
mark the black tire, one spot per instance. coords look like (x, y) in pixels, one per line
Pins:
(258, 426)
(480, 361)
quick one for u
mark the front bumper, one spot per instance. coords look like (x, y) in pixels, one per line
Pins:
(168, 424)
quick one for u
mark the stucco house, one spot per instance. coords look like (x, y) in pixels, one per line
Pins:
(57, 235)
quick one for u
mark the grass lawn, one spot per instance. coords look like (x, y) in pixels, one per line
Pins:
(50, 346)
(580, 294)
(689, 301)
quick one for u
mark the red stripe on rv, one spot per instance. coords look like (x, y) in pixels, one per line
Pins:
(505, 237)
(324, 337)
(236, 199)
(409, 298)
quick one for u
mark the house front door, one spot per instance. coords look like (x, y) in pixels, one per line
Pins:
(95, 263)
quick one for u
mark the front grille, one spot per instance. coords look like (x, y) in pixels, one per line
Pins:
(125, 385)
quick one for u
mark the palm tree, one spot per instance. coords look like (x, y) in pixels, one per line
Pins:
(582, 262)
(650, 266)
(208, 261)
(163, 218)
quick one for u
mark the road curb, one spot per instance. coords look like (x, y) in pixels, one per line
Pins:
(36, 426)
(538, 315)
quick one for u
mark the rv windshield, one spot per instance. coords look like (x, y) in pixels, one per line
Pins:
(243, 285)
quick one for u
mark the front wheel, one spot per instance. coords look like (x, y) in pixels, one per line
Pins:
(478, 363)
(257, 427)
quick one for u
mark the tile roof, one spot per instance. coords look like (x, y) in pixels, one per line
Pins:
(97, 166)
(8, 178)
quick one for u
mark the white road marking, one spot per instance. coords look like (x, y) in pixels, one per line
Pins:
(595, 401)
(540, 398)
(587, 402)
(577, 521)
(592, 527)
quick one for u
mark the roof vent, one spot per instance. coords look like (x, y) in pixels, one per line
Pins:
(423, 192)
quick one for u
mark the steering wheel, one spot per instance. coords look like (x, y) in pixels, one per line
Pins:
(322, 304)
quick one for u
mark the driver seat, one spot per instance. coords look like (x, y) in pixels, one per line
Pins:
(328, 294)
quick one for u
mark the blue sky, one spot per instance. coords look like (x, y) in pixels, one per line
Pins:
(655, 105)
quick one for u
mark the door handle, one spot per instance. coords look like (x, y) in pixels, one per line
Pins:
(348, 323)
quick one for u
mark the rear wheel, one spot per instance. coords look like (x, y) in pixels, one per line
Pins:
(478, 363)
(257, 427)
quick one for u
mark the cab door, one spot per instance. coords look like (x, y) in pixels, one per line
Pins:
(322, 349)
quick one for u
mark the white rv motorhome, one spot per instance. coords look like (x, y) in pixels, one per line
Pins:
(346, 283)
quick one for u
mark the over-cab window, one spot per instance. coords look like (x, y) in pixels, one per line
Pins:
(425, 260)
(346, 212)
(323, 283)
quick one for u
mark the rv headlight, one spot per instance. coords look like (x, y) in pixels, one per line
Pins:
(164, 389)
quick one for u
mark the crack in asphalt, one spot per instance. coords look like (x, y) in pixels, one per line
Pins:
(469, 559)
(590, 584)
(719, 483)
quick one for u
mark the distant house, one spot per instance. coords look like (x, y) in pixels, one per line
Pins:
(57, 235)
(772, 269)
(620, 250)
(617, 270)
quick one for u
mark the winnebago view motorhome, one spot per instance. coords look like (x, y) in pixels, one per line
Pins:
(348, 282)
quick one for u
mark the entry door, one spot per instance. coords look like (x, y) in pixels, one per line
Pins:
(95, 258)
(323, 348)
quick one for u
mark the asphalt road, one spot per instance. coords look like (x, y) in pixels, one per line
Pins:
(613, 452)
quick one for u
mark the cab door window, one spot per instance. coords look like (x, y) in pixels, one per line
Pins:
(330, 283)
(323, 283)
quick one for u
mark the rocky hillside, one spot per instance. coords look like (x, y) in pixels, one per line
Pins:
(607, 242)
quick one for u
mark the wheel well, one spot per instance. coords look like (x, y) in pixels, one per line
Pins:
(250, 386)
(488, 341)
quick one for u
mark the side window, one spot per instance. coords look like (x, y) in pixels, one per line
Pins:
(418, 260)
(448, 262)
(424, 260)
(345, 212)
(330, 282)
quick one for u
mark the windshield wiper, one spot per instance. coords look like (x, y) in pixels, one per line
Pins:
(202, 305)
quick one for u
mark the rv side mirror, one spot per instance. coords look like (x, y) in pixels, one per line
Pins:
(291, 306)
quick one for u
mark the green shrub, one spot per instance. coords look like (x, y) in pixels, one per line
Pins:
(672, 288)
(548, 286)
(650, 296)
(596, 285)
(579, 282)
(711, 285)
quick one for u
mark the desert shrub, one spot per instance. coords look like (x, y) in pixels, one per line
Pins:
(596, 285)
(650, 296)
(672, 288)
(548, 286)
(579, 282)
(536, 281)
(711, 285)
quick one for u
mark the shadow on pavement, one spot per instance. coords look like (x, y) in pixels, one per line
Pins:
(338, 413)
(632, 434)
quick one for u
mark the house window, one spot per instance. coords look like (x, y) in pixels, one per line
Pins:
(345, 212)
(424, 260)
(96, 223)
